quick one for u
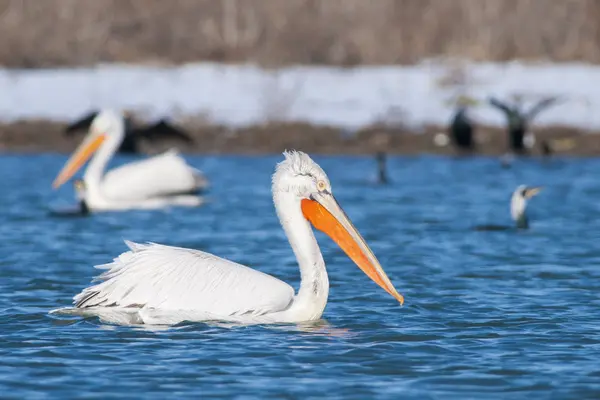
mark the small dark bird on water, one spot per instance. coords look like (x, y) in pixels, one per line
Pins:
(134, 134)
(382, 177)
(518, 204)
(518, 120)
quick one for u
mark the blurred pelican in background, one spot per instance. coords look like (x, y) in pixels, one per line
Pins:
(518, 204)
(160, 181)
(157, 284)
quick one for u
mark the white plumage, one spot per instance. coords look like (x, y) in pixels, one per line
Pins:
(157, 284)
(163, 175)
(157, 181)
(174, 278)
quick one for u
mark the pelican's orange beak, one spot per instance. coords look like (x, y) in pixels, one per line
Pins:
(326, 215)
(79, 158)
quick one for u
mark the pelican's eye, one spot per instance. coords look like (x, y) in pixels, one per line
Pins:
(321, 185)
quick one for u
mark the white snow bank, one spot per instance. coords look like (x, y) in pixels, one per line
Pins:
(241, 94)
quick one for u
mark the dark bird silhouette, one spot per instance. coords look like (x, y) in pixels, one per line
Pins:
(461, 130)
(382, 177)
(134, 134)
(518, 120)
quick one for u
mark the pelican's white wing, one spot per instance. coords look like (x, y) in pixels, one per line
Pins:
(163, 175)
(152, 279)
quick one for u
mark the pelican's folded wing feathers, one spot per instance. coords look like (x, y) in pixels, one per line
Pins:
(162, 175)
(171, 278)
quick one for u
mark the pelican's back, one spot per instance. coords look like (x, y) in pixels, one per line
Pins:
(166, 174)
(152, 280)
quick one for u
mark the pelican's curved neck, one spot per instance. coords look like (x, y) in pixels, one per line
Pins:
(314, 286)
(95, 170)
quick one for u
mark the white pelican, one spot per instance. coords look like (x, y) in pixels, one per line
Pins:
(157, 284)
(518, 205)
(154, 182)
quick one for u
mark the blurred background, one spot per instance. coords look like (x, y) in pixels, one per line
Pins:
(336, 76)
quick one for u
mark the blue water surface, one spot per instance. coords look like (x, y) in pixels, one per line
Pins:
(503, 314)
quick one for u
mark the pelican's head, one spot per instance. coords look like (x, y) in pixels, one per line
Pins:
(300, 175)
(518, 203)
(108, 125)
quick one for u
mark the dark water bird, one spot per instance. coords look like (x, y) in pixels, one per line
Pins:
(518, 205)
(382, 177)
(518, 120)
(461, 130)
(133, 134)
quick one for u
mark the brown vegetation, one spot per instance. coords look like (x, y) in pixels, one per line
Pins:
(44, 33)
(45, 136)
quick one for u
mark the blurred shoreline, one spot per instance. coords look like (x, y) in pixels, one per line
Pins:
(37, 136)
